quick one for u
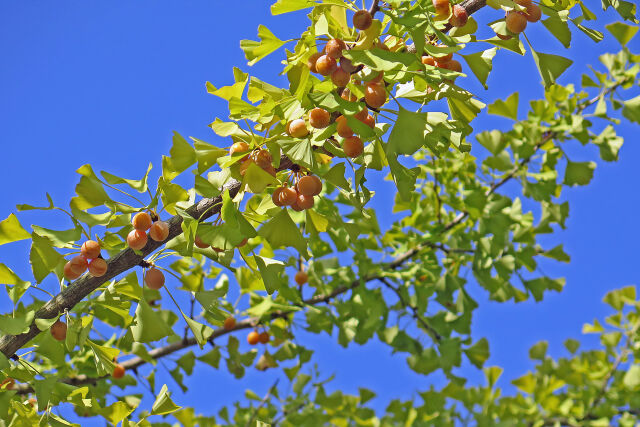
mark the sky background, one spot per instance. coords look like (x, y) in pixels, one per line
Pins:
(107, 83)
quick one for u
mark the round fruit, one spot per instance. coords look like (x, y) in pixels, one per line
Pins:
(142, 221)
(342, 127)
(362, 114)
(319, 118)
(297, 128)
(288, 196)
(442, 7)
(459, 16)
(98, 267)
(59, 330)
(452, 65)
(154, 278)
(264, 337)
(335, 47)
(244, 165)
(69, 274)
(199, 243)
(78, 264)
(295, 206)
(311, 62)
(516, 21)
(137, 239)
(229, 323)
(442, 59)
(375, 95)
(429, 60)
(525, 3)
(347, 65)
(239, 147)
(253, 338)
(370, 121)
(301, 277)
(340, 77)
(118, 371)
(271, 170)
(307, 186)
(318, 185)
(275, 197)
(263, 157)
(90, 249)
(534, 13)
(326, 65)
(159, 231)
(362, 19)
(304, 202)
(348, 96)
(353, 146)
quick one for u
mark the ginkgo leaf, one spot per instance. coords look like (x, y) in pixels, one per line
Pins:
(256, 50)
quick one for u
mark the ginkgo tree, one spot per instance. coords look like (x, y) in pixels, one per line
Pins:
(282, 208)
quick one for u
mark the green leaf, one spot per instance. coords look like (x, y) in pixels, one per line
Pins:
(60, 238)
(282, 232)
(148, 326)
(558, 26)
(256, 50)
(163, 404)
(43, 258)
(8, 277)
(579, 173)
(541, 284)
(257, 179)
(478, 353)
(286, 6)
(299, 151)
(17, 324)
(206, 154)
(139, 185)
(271, 271)
(182, 154)
(631, 109)
(117, 412)
(481, 63)
(201, 332)
(408, 133)
(507, 108)
(90, 190)
(622, 32)
(631, 379)
(103, 357)
(11, 230)
(336, 176)
(539, 350)
(381, 60)
(550, 66)
(229, 92)
(404, 178)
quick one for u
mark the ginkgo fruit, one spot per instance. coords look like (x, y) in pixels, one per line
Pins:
(311, 62)
(347, 65)
(459, 16)
(90, 249)
(375, 95)
(534, 13)
(342, 127)
(362, 19)
(348, 96)
(334, 48)
(429, 60)
(142, 221)
(308, 185)
(443, 59)
(98, 267)
(301, 277)
(362, 114)
(239, 147)
(340, 77)
(326, 65)
(69, 274)
(78, 264)
(199, 243)
(264, 337)
(154, 278)
(263, 158)
(288, 196)
(137, 239)
(229, 323)
(297, 128)
(370, 121)
(253, 338)
(353, 146)
(159, 231)
(304, 202)
(516, 21)
(275, 197)
(319, 118)
(118, 371)
(441, 7)
(452, 65)
(59, 330)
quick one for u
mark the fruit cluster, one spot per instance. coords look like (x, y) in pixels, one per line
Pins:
(517, 20)
(254, 337)
(89, 258)
(142, 221)
(300, 196)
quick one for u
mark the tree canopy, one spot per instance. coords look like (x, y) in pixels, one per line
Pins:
(275, 234)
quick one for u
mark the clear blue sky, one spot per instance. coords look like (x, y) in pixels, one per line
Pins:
(106, 83)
